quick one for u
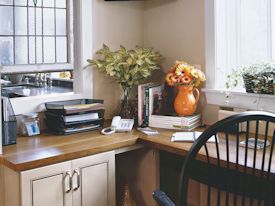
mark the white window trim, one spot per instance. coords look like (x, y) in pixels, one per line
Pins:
(221, 97)
(242, 100)
(29, 68)
(83, 85)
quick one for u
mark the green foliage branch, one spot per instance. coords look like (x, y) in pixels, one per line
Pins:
(127, 67)
(264, 70)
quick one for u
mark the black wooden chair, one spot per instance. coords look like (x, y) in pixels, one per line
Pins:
(232, 174)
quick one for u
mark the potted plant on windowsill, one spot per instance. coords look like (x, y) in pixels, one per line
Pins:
(129, 68)
(257, 78)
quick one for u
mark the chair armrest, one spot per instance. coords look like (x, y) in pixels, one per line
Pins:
(162, 199)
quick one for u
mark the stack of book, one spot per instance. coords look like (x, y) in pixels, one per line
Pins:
(151, 113)
(67, 117)
(149, 101)
(186, 123)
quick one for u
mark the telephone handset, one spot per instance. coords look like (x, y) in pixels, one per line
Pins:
(119, 125)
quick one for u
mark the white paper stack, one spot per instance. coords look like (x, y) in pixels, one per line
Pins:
(189, 137)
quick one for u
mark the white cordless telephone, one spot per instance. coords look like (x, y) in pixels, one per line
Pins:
(119, 125)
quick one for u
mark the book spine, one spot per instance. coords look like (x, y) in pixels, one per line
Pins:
(155, 94)
(141, 100)
(151, 101)
(146, 106)
(197, 124)
(140, 103)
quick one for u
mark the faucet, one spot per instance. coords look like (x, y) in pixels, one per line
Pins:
(50, 81)
(26, 80)
(43, 80)
(37, 80)
(40, 80)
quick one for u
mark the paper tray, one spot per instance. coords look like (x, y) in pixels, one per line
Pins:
(75, 106)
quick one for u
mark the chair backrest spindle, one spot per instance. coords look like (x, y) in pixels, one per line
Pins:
(240, 175)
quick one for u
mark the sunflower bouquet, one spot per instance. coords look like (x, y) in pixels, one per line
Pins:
(184, 74)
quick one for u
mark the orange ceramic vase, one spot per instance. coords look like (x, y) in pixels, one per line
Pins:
(185, 102)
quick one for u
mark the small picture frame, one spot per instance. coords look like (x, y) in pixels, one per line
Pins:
(32, 128)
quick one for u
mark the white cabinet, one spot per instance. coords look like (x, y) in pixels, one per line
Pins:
(96, 181)
(47, 186)
(88, 181)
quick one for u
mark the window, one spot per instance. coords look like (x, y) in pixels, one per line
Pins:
(245, 34)
(237, 33)
(79, 30)
(37, 33)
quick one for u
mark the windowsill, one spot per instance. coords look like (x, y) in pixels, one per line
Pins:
(25, 105)
(240, 100)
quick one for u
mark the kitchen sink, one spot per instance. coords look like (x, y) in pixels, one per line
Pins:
(26, 90)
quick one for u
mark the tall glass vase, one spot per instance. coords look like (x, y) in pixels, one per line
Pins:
(125, 108)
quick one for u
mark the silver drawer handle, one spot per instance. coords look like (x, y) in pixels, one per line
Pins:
(78, 179)
(68, 174)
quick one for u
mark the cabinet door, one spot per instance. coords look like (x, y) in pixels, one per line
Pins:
(96, 180)
(46, 186)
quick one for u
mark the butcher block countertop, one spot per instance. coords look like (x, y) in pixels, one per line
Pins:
(46, 149)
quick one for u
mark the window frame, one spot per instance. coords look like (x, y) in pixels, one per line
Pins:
(36, 68)
(222, 97)
(83, 74)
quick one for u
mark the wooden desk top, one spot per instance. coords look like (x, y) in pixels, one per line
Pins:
(163, 142)
(46, 149)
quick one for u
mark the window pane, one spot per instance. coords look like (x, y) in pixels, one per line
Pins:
(29, 46)
(32, 50)
(39, 3)
(48, 3)
(38, 21)
(39, 50)
(6, 2)
(242, 35)
(32, 20)
(61, 3)
(273, 29)
(20, 2)
(35, 47)
(61, 46)
(227, 37)
(21, 50)
(20, 21)
(49, 50)
(48, 18)
(6, 20)
(254, 30)
(6, 50)
(61, 24)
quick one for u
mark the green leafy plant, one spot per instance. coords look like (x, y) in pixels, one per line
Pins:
(128, 67)
(260, 72)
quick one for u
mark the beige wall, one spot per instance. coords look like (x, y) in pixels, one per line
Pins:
(115, 24)
(175, 28)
